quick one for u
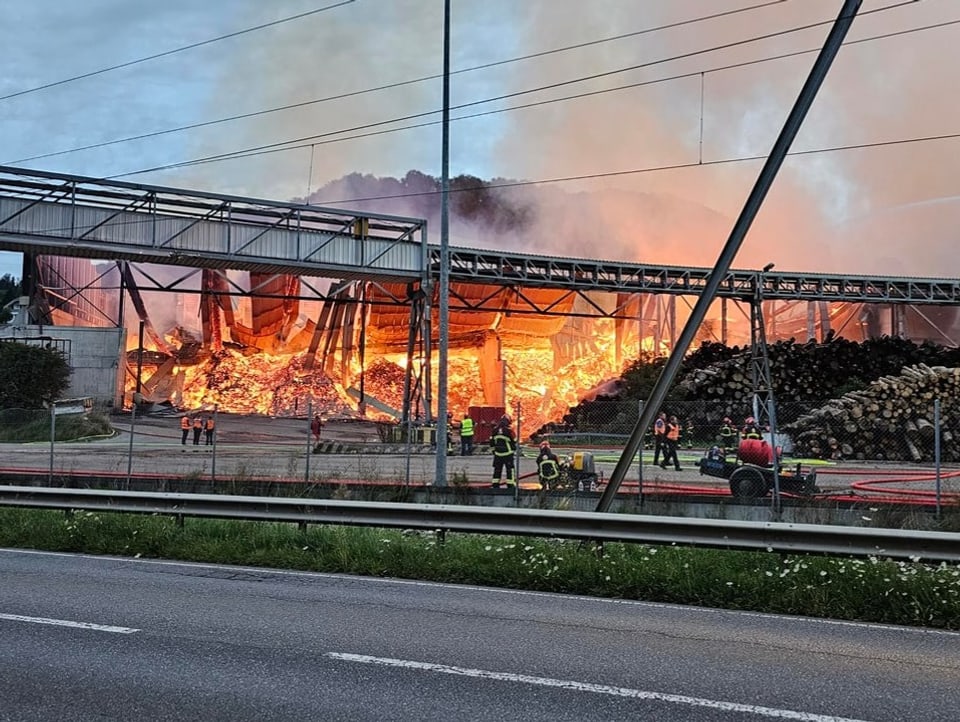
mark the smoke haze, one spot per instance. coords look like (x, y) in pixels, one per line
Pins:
(887, 210)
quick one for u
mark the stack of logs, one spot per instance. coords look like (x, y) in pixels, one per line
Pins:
(810, 373)
(891, 419)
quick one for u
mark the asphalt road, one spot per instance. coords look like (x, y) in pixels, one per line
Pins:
(86, 638)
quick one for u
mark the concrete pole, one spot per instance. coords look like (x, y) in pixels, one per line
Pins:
(760, 189)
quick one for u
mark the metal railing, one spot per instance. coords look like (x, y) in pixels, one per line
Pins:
(589, 526)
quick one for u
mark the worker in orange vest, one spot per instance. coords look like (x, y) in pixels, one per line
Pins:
(197, 429)
(184, 428)
(208, 430)
(672, 438)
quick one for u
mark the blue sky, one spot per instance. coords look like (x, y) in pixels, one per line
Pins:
(823, 212)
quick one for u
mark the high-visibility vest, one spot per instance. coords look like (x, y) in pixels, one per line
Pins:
(673, 431)
(198, 423)
(466, 426)
(210, 424)
(184, 422)
(727, 432)
(548, 468)
(751, 432)
(502, 442)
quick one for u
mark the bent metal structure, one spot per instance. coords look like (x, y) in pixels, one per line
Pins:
(384, 267)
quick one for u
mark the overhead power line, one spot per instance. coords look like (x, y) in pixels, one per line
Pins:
(306, 141)
(565, 98)
(164, 54)
(391, 86)
(659, 168)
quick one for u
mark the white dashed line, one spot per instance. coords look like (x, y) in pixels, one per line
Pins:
(770, 712)
(66, 623)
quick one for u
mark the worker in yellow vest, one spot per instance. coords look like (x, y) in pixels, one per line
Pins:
(466, 436)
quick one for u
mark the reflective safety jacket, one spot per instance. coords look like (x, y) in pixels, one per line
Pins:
(548, 466)
(673, 431)
(751, 432)
(184, 422)
(210, 424)
(466, 426)
(198, 423)
(727, 433)
(502, 442)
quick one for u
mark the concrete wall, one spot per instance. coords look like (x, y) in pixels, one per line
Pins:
(94, 355)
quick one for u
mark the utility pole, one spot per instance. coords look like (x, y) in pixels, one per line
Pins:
(760, 189)
(443, 333)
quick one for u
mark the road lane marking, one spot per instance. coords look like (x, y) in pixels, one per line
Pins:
(68, 623)
(771, 712)
(395, 581)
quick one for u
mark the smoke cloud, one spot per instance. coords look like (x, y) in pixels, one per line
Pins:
(886, 210)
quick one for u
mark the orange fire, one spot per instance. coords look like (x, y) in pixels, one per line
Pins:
(256, 382)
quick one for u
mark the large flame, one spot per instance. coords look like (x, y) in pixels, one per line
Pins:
(250, 381)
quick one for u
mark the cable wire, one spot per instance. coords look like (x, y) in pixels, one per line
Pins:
(577, 96)
(286, 145)
(391, 86)
(164, 54)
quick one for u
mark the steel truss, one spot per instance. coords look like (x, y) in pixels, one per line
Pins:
(47, 213)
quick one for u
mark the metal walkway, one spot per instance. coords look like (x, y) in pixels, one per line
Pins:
(47, 213)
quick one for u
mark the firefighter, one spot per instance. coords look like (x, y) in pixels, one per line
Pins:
(197, 429)
(504, 447)
(184, 429)
(659, 435)
(750, 429)
(208, 430)
(672, 438)
(548, 466)
(466, 436)
(728, 434)
(449, 433)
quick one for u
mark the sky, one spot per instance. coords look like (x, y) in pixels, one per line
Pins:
(670, 160)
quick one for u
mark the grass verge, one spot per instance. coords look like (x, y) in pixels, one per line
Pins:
(34, 425)
(871, 590)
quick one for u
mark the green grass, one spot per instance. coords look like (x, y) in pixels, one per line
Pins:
(34, 425)
(871, 590)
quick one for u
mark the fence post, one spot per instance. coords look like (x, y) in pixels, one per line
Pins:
(516, 462)
(936, 447)
(216, 432)
(640, 460)
(53, 436)
(133, 420)
(306, 473)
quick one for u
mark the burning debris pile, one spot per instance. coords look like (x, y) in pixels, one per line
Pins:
(259, 383)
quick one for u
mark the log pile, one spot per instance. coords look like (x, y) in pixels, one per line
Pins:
(890, 419)
(809, 373)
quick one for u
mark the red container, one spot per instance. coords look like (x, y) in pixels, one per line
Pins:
(755, 451)
(485, 420)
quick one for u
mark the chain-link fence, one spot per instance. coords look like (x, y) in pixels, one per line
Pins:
(848, 429)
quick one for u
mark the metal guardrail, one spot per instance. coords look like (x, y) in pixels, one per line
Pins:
(739, 535)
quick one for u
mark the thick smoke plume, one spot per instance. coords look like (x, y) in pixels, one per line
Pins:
(883, 210)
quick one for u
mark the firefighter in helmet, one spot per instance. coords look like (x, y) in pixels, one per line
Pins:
(504, 447)
(750, 429)
(548, 466)
(728, 434)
